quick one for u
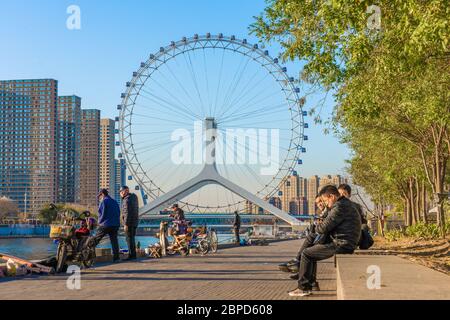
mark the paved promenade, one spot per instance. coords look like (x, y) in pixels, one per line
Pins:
(234, 273)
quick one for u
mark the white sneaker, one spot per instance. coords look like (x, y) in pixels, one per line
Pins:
(300, 293)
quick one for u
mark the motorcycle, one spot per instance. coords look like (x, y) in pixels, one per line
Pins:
(74, 244)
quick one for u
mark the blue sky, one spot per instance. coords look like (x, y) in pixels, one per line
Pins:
(96, 61)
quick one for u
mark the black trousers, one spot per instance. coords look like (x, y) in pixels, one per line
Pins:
(306, 243)
(308, 263)
(237, 239)
(131, 241)
(112, 233)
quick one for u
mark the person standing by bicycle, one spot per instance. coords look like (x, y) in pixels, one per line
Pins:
(130, 219)
(179, 219)
(108, 222)
(237, 227)
(178, 213)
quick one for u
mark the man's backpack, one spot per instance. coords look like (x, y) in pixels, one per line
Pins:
(366, 240)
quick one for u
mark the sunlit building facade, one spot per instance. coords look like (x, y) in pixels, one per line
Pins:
(28, 142)
(107, 146)
(69, 129)
(89, 158)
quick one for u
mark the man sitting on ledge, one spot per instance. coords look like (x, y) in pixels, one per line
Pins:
(342, 224)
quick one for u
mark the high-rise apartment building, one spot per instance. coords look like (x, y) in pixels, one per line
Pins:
(107, 146)
(250, 208)
(302, 187)
(120, 176)
(289, 191)
(69, 127)
(89, 158)
(313, 189)
(28, 142)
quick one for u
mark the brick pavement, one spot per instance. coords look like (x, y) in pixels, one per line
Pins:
(231, 274)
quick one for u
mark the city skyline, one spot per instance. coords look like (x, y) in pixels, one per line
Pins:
(52, 149)
(110, 66)
(297, 194)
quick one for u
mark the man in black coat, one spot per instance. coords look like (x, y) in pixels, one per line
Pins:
(366, 240)
(311, 238)
(342, 224)
(346, 191)
(130, 219)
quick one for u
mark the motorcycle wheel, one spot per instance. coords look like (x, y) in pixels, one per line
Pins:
(88, 263)
(184, 251)
(213, 240)
(61, 257)
(203, 247)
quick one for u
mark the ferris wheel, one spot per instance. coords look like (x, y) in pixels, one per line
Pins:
(235, 83)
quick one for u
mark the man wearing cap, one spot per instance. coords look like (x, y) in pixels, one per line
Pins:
(108, 222)
(130, 219)
(178, 213)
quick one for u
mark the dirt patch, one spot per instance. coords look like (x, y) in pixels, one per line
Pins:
(434, 254)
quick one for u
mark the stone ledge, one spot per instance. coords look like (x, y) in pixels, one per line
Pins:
(400, 279)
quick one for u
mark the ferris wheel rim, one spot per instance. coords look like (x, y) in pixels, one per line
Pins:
(170, 52)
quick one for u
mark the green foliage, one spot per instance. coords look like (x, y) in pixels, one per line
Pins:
(390, 85)
(424, 231)
(48, 214)
(420, 230)
(394, 234)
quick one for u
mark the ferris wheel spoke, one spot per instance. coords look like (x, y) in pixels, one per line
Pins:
(255, 101)
(237, 82)
(229, 86)
(179, 83)
(219, 82)
(154, 147)
(184, 108)
(254, 113)
(162, 119)
(207, 84)
(246, 147)
(245, 92)
(154, 133)
(194, 79)
(169, 105)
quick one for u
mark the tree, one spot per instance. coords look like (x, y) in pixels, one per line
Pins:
(391, 80)
(49, 213)
(8, 208)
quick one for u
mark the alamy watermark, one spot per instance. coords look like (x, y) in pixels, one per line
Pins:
(231, 146)
(73, 21)
(73, 282)
(374, 20)
(373, 282)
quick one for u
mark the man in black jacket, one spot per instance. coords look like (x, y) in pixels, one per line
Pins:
(346, 191)
(366, 240)
(343, 224)
(311, 238)
(130, 219)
